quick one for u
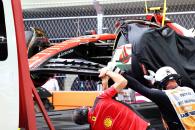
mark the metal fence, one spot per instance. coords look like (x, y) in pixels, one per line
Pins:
(65, 22)
(61, 28)
(70, 82)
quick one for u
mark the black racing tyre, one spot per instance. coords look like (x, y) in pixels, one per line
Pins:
(36, 41)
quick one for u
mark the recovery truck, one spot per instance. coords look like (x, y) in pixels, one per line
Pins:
(17, 92)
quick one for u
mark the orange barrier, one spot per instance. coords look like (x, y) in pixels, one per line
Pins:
(73, 99)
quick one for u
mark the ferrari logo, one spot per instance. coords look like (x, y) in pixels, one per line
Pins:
(108, 122)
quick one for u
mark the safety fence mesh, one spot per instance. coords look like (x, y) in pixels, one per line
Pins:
(61, 29)
(70, 82)
(61, 23)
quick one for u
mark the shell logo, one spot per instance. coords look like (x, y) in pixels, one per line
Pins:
(108, 122)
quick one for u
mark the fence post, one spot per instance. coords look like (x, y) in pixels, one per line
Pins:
(99, 11)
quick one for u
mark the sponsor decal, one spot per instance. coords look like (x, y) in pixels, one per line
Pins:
(184, 115)
(108, 122)
(93, 118)
(65, 53)
(125, 54)
(183, 101)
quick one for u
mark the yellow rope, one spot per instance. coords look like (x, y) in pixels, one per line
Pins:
(164, 13)
(146, 7)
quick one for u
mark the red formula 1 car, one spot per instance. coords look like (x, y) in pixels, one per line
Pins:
(75, 64)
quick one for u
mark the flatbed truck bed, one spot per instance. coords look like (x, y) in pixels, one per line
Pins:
(62, 120)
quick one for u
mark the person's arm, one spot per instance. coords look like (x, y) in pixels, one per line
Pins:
(57, 88)
(105, 82)
(152, 94)
(119, 81)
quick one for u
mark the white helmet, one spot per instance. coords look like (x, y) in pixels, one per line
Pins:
(165, 74)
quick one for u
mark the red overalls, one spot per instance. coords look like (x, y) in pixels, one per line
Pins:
(108, 114)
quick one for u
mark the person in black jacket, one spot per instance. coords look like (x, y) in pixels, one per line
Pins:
(166, 78)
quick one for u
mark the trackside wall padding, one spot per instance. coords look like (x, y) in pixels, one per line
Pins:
(68, 99)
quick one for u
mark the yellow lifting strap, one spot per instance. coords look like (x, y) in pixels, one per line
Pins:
(146, 6)
(154, 8)
(164, 12)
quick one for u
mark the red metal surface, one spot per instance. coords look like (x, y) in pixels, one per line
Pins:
(172, 26)
(42, 56)
(158, 19)
(27, 114)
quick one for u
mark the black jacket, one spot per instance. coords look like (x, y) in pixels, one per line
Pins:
(160, 98)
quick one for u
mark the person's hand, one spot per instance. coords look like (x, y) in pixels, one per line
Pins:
(103, 72)
(104, 77)
(150, 77)
(111, 66)
(105, 82)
